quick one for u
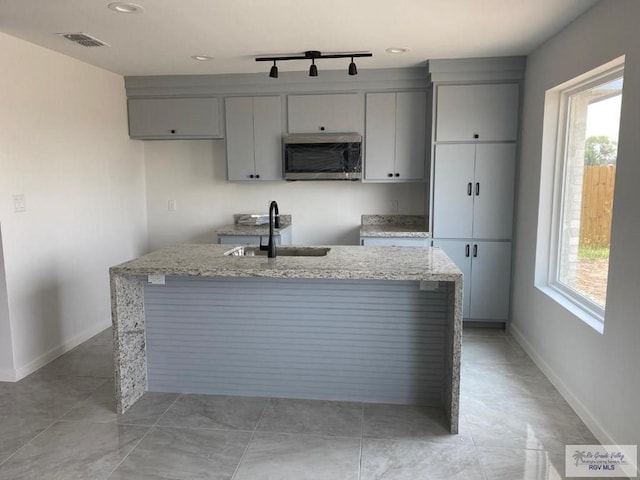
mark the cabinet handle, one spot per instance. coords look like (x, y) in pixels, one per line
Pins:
(173, 131)
(475, 250)
(251, 176)
(469, 188)
(466, 250)
(397, 174)
(389, 174)
(475, 135)
(477, 189)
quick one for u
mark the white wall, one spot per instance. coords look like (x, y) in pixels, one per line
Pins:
(64, 145)
(193, 173)
(598, 373)
(6, 346)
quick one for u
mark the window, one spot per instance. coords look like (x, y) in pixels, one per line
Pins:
(585, 171)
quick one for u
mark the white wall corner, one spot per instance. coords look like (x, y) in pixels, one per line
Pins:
(581, 410)
(51, 355)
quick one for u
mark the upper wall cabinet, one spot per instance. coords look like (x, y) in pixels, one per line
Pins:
(254, 138)
(165, 118)
(330, 113)
(477, 113)
(395, 136)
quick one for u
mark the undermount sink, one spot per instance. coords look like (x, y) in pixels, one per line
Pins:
(280, 252)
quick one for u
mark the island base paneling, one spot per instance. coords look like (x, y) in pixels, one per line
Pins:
(372, 341)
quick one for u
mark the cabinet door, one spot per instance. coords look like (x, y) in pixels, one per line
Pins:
(174, 118)
(331, 113)
(380, 131)
(240, 143)
(410, 135)
(493, 191)
(459, 251)
(477, 112)
(490, 280)
(453, 191)
(267, 130)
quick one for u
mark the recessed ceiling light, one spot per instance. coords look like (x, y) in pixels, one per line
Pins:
(397, 50)
(202, 58)
(123, 7)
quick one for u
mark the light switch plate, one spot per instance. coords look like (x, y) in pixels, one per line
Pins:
(19, 203)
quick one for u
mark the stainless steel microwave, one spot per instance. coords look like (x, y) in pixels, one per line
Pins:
(323, 156)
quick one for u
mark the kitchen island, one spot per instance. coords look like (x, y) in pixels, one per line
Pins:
(377, 324)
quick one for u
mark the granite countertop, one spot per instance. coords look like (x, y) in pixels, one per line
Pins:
(409, 226)
(251, 230)
(342, 262)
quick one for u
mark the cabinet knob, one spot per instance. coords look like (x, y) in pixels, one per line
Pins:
(397, 174)
(322, 129)
(251, 176)
(475, 135)
(389, 174)
(257, 176)
(173, 131)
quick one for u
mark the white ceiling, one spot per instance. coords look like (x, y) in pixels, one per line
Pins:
(161, 40)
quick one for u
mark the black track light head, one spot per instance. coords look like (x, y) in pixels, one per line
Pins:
(273, 73)
(313, 70)
(353, 70)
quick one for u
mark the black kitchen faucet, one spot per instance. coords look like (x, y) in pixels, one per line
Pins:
(274, 222)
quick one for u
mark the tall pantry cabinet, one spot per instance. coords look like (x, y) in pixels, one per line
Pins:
(476, 106)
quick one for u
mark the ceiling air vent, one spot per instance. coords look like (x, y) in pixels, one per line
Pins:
(84, 39)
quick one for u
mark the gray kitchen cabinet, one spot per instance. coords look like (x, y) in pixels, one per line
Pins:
(481, 112)
(325, 113)
(486, 267)
(254, 138)
(395, 136)
(473, 190)
(174, 118)
(394, 241)
(283, 237)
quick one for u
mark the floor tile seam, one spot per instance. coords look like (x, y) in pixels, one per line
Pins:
(253, 434)
(53, 422)
(81, 401)
(141, 439)
(421, 439)
(361, 442)
(483, 470)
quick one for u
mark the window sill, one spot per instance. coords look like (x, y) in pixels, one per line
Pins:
(575, 308)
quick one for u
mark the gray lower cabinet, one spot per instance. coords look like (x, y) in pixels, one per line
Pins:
(283, 237)
(174, 118)
(394, 241)
(395, 137)
(254, 138)
(486, 267)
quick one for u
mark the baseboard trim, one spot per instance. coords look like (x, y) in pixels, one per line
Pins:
(7, 375)
(574, 402)
(61, 349)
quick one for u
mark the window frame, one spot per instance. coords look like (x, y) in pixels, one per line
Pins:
(588, 310)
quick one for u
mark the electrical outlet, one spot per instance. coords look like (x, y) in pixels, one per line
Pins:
(393, 206)
(172, 206)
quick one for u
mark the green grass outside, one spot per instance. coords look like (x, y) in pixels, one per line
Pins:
(592, 252)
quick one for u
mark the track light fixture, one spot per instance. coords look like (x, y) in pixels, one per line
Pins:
(313, 55)
(273, 73)
(353, 70)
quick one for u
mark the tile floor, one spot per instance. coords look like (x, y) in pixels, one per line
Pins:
(60, 423)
